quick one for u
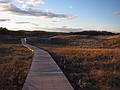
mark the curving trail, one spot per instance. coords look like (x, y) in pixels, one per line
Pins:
(44, 73)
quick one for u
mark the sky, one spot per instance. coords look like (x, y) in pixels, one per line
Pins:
(60, 15)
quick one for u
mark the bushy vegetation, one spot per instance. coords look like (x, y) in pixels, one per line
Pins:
(89, 59)
(95, 33)
(90, 62)
(90, 69)
(11, 34)
(82, 41)
(15, 61)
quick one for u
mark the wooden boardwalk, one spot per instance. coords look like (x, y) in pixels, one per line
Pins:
(44, 73)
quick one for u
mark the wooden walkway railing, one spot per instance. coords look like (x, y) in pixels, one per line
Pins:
(44, 73)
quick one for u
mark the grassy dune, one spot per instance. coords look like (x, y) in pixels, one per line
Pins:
(90, 68)
(89, 62)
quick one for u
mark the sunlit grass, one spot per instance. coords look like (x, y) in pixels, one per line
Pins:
(89, 68)
(15, 61)
(90, 63)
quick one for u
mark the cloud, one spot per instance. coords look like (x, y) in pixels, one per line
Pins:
(117, 13)
(24, 1)
(28, 7)
(27, 23)
(31, 2)
(33, 12)
(21, 22)
(4, 1)
(34, 24)
(3, 20)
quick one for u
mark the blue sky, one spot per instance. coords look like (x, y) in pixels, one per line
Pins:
(60, 15)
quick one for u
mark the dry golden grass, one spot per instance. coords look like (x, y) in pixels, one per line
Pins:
(89, 68)
(85, 41)
(15, 61)
(89, 62)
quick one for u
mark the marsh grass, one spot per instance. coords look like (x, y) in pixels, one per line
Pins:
(89, 62)
(89, 69)
(15, 61)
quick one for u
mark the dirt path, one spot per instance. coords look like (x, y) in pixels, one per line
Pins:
(44, 73)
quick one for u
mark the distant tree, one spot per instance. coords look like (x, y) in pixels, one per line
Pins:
(4, 30)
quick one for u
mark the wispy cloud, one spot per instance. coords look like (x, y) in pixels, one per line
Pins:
(4, 1)
(33, 12)
(21, 22)
(3, 20)
(28, 7)
(24, 1)
(34, 24)
(27, 23)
